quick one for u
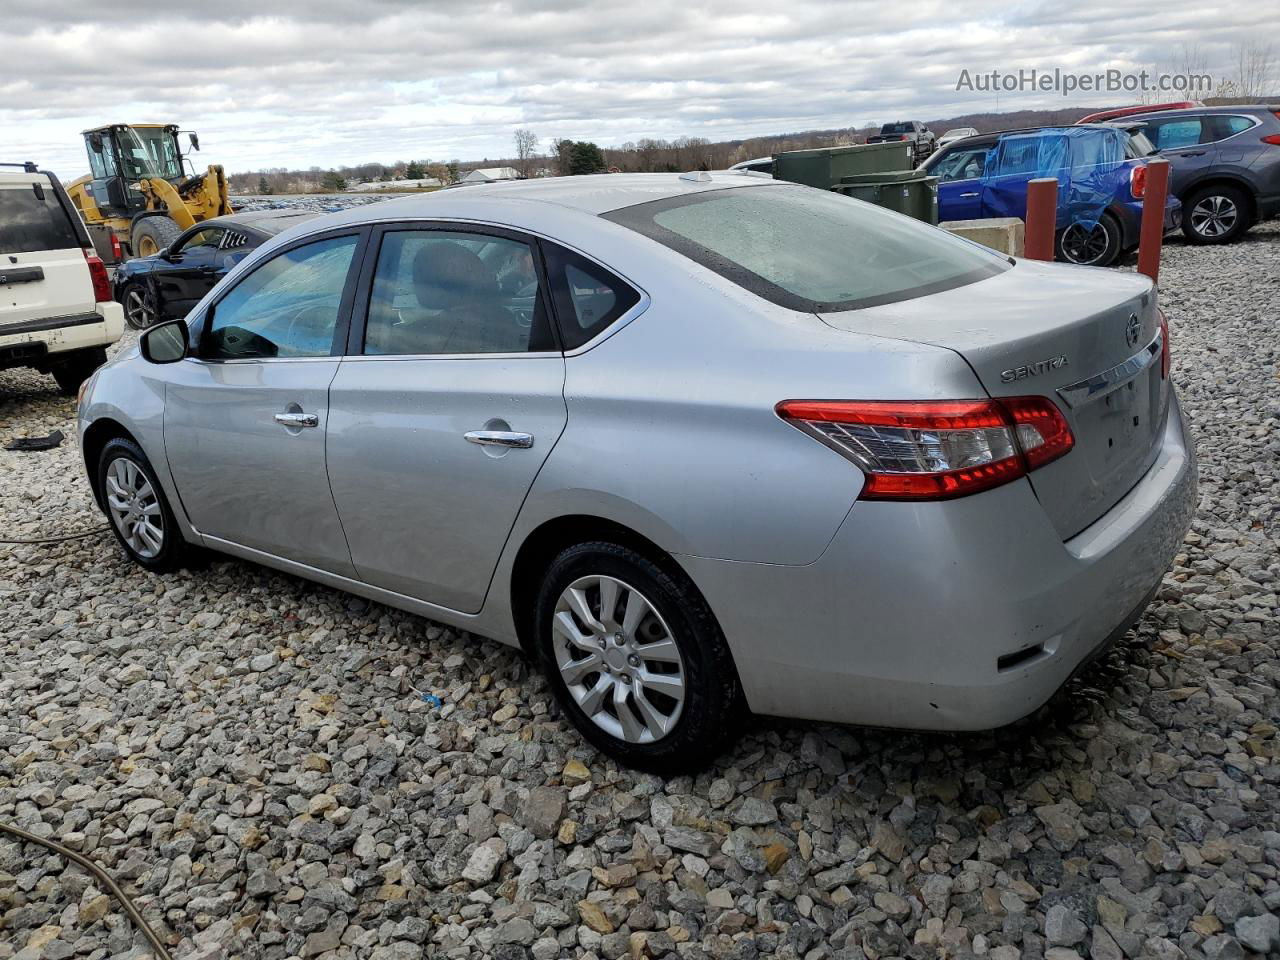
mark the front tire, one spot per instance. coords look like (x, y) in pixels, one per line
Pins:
(636, 658)
(152, 234)
(1215, 215)
(137, 509)
(76, 367)
(139, 306)
(1095, 246)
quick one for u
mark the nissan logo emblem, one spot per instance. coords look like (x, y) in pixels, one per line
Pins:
(1132, 330)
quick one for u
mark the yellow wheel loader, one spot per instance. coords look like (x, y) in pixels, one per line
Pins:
(139, 194)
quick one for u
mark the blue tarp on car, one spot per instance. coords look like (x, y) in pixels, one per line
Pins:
(1084, 161)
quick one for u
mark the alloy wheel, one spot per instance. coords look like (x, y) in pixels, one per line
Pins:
(137, 311)
(618, 659)
(135, 508)
(1084, 245)
(1214, 216)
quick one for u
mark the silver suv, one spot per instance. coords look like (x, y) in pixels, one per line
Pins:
(56, 309)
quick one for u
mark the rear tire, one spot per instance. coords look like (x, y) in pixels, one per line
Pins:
(152, 234)
(1216, 215)
(76, 367)
(137, 510)
(1096, 247)
(663, 694)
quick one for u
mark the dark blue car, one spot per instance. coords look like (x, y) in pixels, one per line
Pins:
(1100, 173)
(167, 285)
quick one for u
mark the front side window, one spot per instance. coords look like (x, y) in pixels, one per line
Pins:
(967, 164)
(439, 292)
(287, 307)
(810, 249)
(208, 237)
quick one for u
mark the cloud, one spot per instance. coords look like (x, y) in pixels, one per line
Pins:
(328, 83)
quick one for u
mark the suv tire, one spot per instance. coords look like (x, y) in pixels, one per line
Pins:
(74, 368)
(650, 682)
(1222, 213)
(137, 510)
(152, 234)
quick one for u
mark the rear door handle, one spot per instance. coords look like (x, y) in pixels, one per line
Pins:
(500, 438)
(968, 195)
(298, 419)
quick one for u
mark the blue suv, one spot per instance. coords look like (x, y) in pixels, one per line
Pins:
(1101, 173)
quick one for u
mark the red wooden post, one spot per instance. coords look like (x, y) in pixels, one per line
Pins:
(1042, 218)
(1151, 236)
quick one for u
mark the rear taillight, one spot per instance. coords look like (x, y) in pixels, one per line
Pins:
(1138, 181)
(935, 450)
(1164, 344)
(117, 254)
(904, 137)
(98, 274)
(1274, 139)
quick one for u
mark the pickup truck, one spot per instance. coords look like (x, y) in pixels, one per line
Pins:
(909, 130)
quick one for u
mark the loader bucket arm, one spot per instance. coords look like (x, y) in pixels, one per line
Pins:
(200, 199)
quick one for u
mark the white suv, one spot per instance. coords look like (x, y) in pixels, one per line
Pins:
(56, 310)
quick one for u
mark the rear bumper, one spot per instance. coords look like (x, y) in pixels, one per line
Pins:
(54, 335)
(963, 615)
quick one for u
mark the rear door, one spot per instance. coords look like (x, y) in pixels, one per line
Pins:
(445, 409)
(245, 417)
(43, 274)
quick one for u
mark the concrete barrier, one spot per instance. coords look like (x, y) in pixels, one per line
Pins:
(1006, 234)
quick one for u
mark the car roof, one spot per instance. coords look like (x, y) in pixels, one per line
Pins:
(1196, 111)
(597, 193)
(268, 222)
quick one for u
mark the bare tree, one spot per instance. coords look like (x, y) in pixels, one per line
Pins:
(1255, 62)
(526, 150)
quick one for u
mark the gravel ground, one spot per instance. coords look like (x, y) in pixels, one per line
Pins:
(250, 755)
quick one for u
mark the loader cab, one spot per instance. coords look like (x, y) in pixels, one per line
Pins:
(122, 154)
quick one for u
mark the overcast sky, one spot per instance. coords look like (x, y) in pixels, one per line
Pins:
(329, 83)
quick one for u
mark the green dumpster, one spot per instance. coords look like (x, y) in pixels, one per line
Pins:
(911, 192)
(823, 167)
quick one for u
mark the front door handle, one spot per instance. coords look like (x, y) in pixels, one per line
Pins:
(298, 419)
(500, 438)
(965, 195)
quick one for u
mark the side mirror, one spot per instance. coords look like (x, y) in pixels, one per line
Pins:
(195, 141)
(165, 342)
(169, 254)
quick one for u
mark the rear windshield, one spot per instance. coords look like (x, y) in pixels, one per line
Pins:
(29, 222)
(811, 250)
(897, 128)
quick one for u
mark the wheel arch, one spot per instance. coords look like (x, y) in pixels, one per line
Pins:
(1221, 179)
(96, 436)
(547, 540)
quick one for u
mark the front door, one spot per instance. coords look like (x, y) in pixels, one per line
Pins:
(193, 273)
(959, 176)
(446, 410)
(245, 418)
(1187, 142)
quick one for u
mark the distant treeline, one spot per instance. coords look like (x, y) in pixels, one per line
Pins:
(643, 156)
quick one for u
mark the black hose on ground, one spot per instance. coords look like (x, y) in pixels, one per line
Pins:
(68, 536)
(112, 887)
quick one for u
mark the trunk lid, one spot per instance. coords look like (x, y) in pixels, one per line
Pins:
(1086, 338)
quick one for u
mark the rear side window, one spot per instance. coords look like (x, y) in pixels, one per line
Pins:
(588, 297)
(1229, 126)
(30, 222)
(809, 249)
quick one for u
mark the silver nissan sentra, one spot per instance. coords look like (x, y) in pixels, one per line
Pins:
(698, 443)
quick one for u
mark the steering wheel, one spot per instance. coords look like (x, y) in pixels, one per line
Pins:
(312, 315)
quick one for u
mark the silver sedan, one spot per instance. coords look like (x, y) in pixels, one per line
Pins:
(699, 444)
